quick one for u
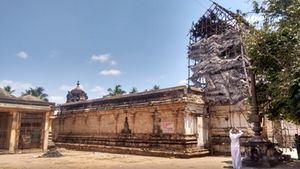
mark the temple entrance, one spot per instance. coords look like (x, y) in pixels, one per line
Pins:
(31, 130)
(4, 130)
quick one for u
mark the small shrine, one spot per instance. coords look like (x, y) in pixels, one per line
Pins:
(76, 94)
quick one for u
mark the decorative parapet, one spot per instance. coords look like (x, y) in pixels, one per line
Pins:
(180, 94)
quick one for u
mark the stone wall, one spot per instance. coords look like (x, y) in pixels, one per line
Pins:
(164, 121)
(281, 132)
(109, 124)
(224, 117)
(140, 121)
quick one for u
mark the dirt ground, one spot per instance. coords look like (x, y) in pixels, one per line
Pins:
(89, 160)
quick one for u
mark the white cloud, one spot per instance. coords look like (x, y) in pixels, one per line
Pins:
(15, 85)
(254, 19)
(22, 55)
(183, 82)
(99, 91)
(110, 72)
(102, 57)
(155, 80)
(150, 81)
(65, 87)
(57, 99)
(113, 62)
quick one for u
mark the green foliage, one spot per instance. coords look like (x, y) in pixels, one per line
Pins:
(37, 92)
(133, 90)
(275, 52)
(116, 91)
(9, 89)
(155, 87)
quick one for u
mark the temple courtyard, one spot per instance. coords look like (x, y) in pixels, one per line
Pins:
(89, 160)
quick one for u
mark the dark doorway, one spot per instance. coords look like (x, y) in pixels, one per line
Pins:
(31, 130)
(4, 130)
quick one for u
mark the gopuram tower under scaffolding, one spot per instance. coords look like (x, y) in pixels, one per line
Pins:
(217, 58)
(219, 65)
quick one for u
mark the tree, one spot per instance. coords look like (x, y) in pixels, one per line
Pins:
(155, 87)
(133, 90)
(37, 92)
(275, 54)
(116, 91)
(9, 89)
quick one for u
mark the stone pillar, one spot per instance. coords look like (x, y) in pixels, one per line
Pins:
(51, 118)
(200, 132)
(46, 131)
(133, 115)
(13, 132)
(99, 116)
(189, 124)
(116, 117)
(175, 118)
(156, 122)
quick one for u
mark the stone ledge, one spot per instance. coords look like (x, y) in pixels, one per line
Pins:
(136, 151)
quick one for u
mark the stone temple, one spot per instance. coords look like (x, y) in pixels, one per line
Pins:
(76, 94)
(182, 121)
(25, 123)
(163, 122)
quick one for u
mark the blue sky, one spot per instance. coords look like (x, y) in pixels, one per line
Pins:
(101, 43)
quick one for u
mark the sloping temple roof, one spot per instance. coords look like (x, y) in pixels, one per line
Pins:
(26, 103)
(5, 94)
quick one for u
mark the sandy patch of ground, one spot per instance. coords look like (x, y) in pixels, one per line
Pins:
(90, 160)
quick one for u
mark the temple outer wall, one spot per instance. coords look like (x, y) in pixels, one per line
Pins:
(111, 122)
(170, 122)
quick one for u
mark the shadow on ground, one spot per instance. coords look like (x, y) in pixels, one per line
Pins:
(228, 164)
(286, 165)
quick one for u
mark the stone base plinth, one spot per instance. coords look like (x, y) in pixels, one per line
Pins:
(262, 153)
(137, 151)
(166, 145)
